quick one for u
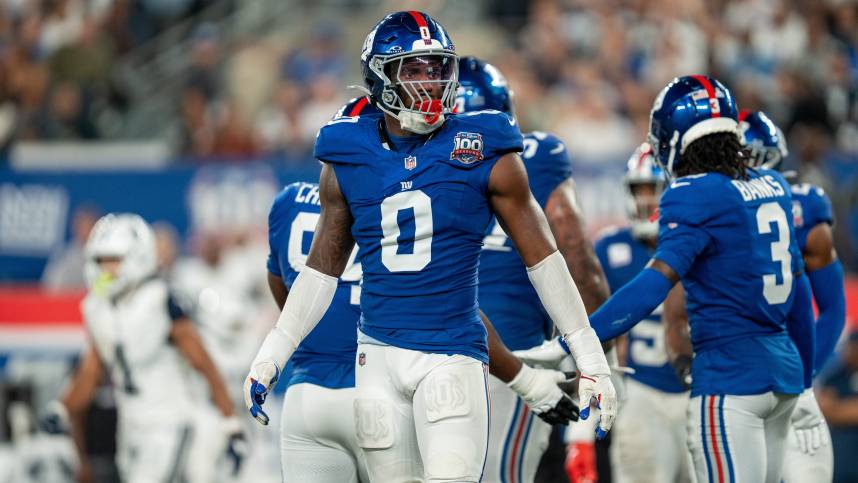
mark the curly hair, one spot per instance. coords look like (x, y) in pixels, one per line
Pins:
(716, 153)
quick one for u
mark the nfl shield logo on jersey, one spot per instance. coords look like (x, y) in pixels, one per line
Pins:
(410, 162)
(361, 359)
(468, 147)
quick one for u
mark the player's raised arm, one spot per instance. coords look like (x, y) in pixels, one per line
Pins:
(310, 295)
(524, 221)
(567, 225)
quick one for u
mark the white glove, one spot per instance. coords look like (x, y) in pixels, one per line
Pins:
(595, 380)
(542, 392)
(538, 387)
(548, 355)
(808, 423)
(236, 448)
(261, 379)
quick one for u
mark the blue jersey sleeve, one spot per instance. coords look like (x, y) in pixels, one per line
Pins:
(547, 162)
(344, 140)
(830, 297)
(278, 227)
(501, 132)
(815, 203)
(683, 215)
(811, 207)
(630, 304)
(800, 327)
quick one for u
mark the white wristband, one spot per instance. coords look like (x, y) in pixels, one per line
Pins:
(521, 380)
(587, 352)
(558, 293)
(308, 300)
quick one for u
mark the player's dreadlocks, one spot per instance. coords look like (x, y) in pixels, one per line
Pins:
(720, 153)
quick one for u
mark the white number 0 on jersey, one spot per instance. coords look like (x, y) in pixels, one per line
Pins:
(774, 292)
(421, 255)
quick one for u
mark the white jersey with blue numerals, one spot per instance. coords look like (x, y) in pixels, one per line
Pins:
(733, 244)
(326, 357)
(419, 217)
(506, 294)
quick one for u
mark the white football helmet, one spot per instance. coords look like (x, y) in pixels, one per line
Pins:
(126, 236)
(642, 169)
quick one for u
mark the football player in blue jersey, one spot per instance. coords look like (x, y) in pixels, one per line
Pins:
(649, 439)
(517, 441)
(319, 443)
(724, 230)
(416, 189)
(809, 454)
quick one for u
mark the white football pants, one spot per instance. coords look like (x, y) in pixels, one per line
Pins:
(153, 453)
(739, 439)
(649, 437)
(317, 436)
(517, 437)
(421, 416)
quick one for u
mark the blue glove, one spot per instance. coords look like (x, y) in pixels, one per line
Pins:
(262, 378)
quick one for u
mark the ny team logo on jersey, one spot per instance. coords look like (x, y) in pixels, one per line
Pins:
(468, 147)
(410, 162)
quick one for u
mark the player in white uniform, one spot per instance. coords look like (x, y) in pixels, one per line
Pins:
(146, 345)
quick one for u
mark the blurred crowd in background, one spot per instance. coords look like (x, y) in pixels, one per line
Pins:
(587, 70)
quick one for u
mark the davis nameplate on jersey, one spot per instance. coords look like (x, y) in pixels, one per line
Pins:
(468, 147)
(410, 162)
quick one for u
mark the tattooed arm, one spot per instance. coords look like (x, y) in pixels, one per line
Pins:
(333, 242)
(309, 296)
(567, 225)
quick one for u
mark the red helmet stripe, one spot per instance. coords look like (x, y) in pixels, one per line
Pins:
(710, 90)
(422, 27)
(421, 22)
(358, 107)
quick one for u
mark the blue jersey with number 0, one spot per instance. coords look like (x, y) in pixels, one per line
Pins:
(326, 357)
(419, 218)
(733, 244)
(506, 294)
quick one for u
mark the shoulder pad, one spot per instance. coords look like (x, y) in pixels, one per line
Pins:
(346, 140)
(284, 197)
(815, 203)
(696, 199)
(499, 133)
(546, 149)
